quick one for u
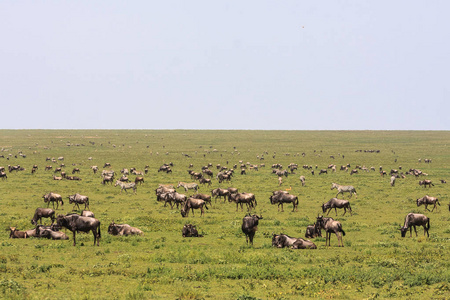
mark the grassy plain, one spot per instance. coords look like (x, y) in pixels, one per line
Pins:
(375, 262)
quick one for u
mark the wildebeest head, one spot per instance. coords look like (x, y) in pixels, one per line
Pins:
(112, 229)
(403, 231)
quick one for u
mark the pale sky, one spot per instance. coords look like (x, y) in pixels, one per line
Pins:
(290, 65)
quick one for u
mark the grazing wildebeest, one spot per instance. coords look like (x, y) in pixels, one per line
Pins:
(281, 197)
(3, 175)
(139, 179)
(425, 183)
(250, 226)
(302, 180)
(49, 233)
(323, 171)
(218, 193)
(17, 234)
(336, 203)
(79, 199)
(241, 198)
(94, 169)
(87, 213)
(428, 200)
(413, 220)
(192, 204)
(125, 186)
(189, 230)
(53, 197)
(188, 186)
(331, 226)
(43, 213)
(393, 177)
(77, 223)
(106, 165)
(283, 240)
(354, 171)
(123, 229)
(75, 170)
(313, 231)
(344, 188)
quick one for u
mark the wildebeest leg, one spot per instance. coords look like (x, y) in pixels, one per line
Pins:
(282, 208)
(415, 230)
(202, 211)
(345, 210)
(74, 242)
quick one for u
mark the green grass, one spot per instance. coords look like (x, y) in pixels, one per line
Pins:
(375, 262)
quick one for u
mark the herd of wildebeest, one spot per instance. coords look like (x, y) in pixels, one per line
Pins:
(168, 194)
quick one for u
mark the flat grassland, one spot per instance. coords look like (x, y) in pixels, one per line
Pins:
(375, 262)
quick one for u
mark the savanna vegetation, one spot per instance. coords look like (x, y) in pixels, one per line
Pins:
(160, 264)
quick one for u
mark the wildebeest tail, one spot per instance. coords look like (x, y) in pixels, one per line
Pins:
(99, 233)
(206, 206)
(437, 201)
(341, 230)
(428, 224)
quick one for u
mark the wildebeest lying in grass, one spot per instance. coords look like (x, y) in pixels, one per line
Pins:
(50, 233)
(250, 226)
(331, 226)
(313, 231)
(189, 230)
(17, 234)
(413, 220)
(43, 213)
(336, 203)
(76, 223)
(281, 197)
(283, 240)
(192, 204)
(123, 229)
(87, 213)
(53, 197)
(428, 200)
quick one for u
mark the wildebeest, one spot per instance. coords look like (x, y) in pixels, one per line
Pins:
(425, 183)
(243, 198)
(139, 179)
(192, 204)
(188, 186)
(344, 188)
(77, 223)
(283, 240)
(49, 233)
(125, 186)
(17, 234)
(428, 200)
(336, 203)
(218, 193)
(123, 229)
(250, 226)
(205, 181)
(106, 179)
(87, 213)
(281, 197)
(323, 171)
(393, 177)
(205, 197)
(302, 180)
(313, 231)
(79, 199)
(413, 220)
(43, 213)
(189, 230)
(94, 169)
(331, 226)
(3, 175)
(53, 197)
(75, 170)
